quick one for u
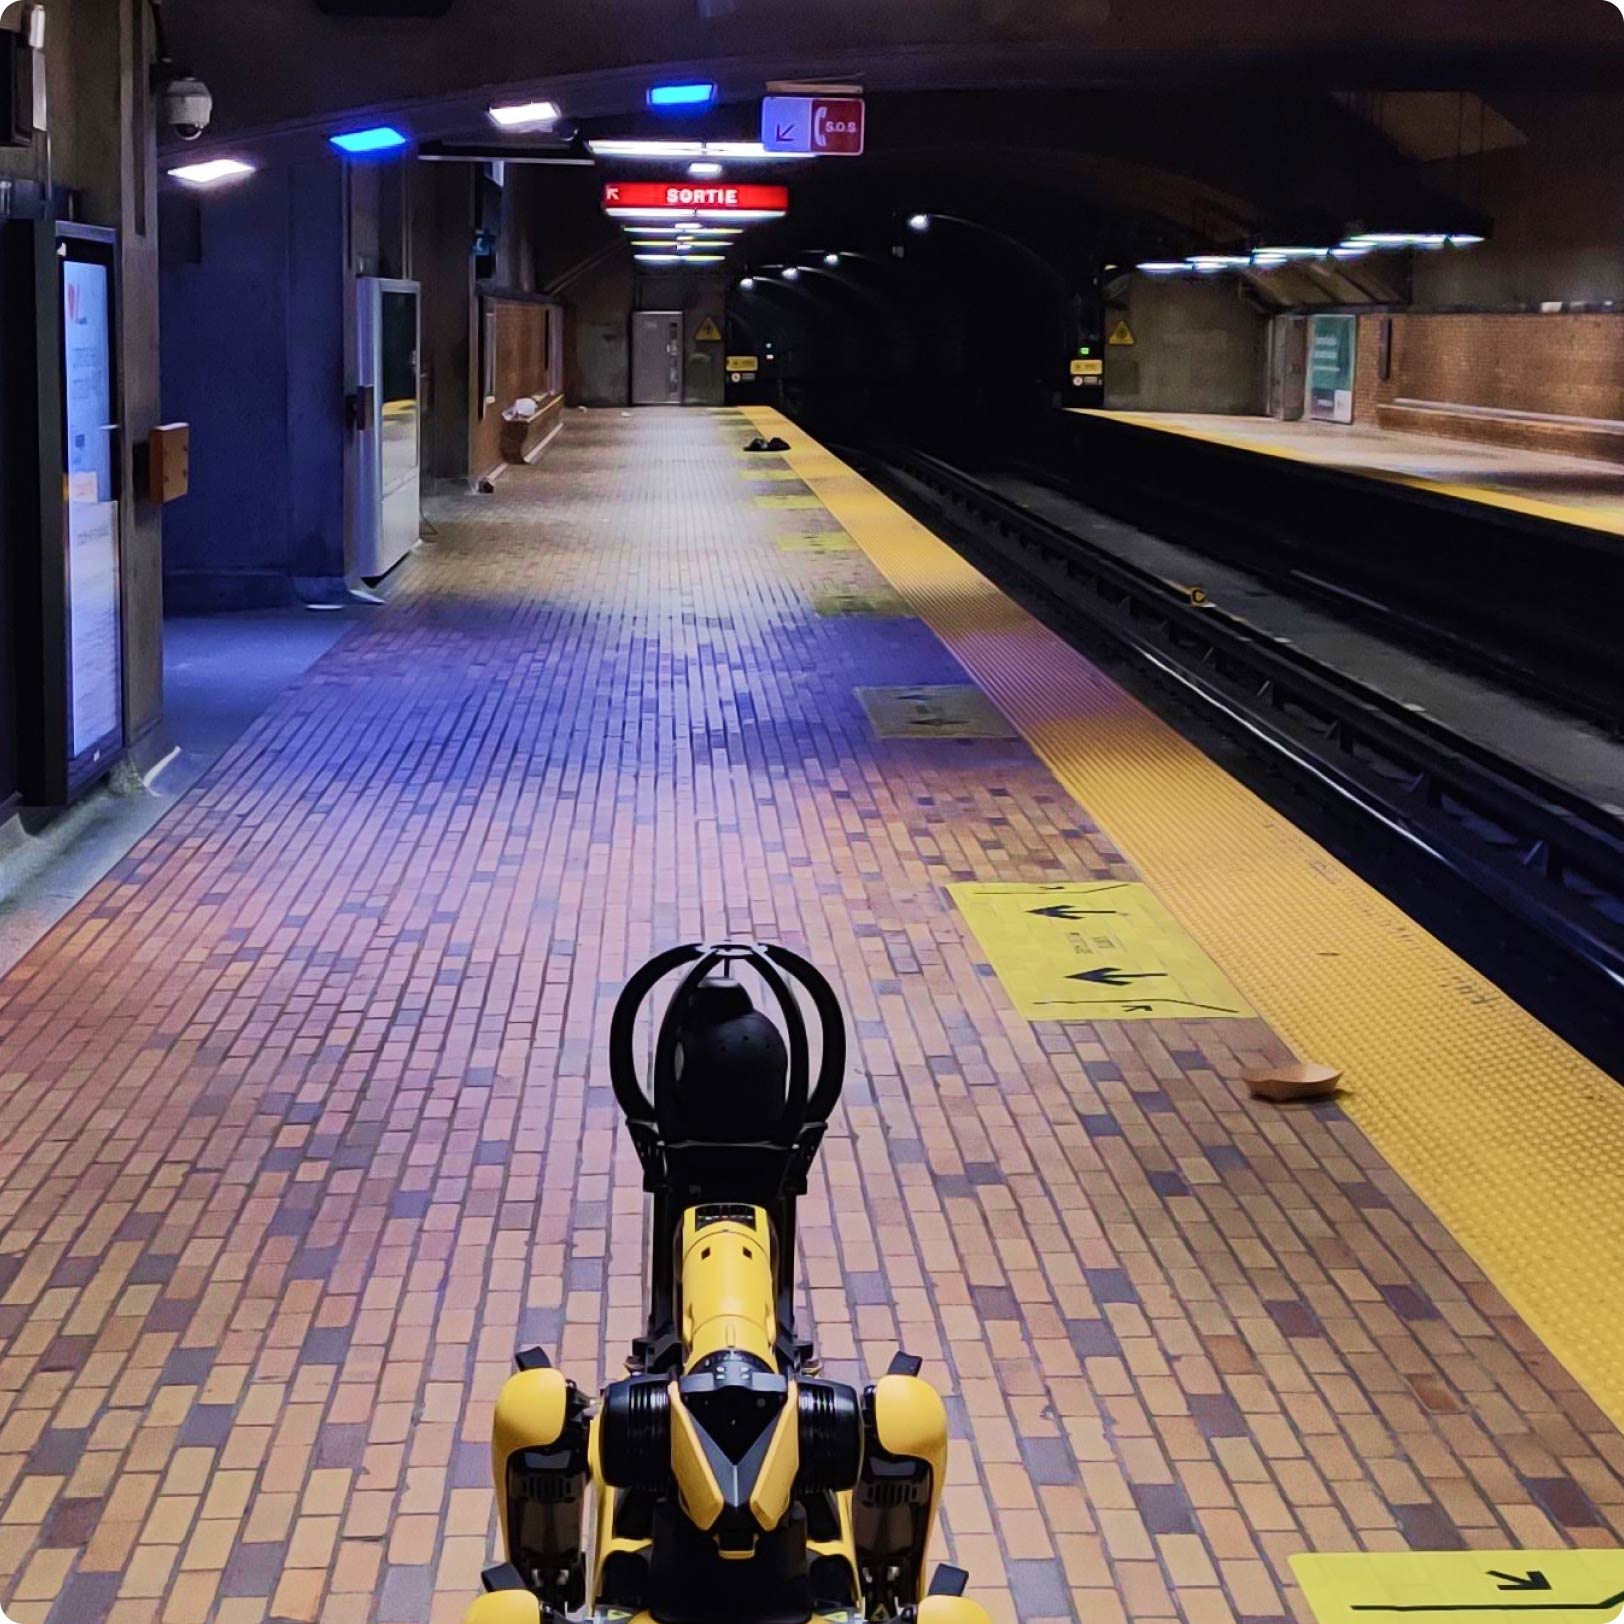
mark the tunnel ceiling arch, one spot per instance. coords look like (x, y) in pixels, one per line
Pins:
(281, 62)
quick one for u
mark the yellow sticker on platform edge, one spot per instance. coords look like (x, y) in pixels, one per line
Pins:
(1460, 1587)
(1102, 950)
(795, 499)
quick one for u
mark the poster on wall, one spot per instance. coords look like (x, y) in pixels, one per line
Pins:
(1332, 350)
(95, 709)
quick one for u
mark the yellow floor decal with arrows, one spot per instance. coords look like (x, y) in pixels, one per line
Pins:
(1105, 951)
(1456, 1587)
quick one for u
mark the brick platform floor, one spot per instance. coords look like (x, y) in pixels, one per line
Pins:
(303, 1124)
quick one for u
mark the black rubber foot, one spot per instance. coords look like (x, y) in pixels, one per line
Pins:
(904, 1364)
(504, 1577)
(948, 1581)
(532, 1359)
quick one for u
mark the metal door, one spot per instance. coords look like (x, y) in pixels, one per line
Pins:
(657, 358)
(388, 513)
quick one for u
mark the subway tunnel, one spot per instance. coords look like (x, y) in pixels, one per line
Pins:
(811, 813)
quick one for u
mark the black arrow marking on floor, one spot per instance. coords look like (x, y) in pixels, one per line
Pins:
(1532, 1580)
(1070, 910)
(1110, 976)
(1122, 1003)
(1492, 1606)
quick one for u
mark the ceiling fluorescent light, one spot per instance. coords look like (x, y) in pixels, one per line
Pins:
(647, 149)
(676, 151)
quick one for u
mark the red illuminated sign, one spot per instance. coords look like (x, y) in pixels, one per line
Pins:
(717, 198)
(837, 126)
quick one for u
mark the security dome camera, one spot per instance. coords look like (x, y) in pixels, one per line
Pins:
(187, 106)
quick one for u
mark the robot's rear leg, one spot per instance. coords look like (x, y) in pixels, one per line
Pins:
(539, 1461)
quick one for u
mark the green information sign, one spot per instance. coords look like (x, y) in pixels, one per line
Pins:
(1332, 347)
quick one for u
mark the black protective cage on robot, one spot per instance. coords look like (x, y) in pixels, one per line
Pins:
(682, 1172)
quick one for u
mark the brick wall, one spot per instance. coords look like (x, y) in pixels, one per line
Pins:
(1559, 365)
(1366, 369)
(1570, 365)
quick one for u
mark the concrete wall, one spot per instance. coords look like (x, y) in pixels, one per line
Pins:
(1555, 203)
(598, 354)
(442, 260)
(1198, 347)
(253, 358)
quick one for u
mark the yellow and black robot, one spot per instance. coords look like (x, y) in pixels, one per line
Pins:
(729, 1483)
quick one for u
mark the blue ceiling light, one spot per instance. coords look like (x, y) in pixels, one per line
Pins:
(675, 98)
(359, 143)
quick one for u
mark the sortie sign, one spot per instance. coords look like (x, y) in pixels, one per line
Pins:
(721, 198)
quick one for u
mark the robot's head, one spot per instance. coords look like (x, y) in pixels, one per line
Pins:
(729, 1065)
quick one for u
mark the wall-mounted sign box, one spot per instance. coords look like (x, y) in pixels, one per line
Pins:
(818, 126)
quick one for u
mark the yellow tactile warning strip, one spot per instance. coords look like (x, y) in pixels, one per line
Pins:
(1514, 1140)
(1588, 517)
(1103, 951)
(1422, 1587)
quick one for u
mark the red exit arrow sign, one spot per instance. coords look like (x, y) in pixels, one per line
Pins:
(678, 198)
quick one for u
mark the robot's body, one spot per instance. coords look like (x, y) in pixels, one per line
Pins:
(730, 1483)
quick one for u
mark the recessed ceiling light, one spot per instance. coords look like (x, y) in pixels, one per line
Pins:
(521, 115)
(671, 96)
(212, 172)
(705, 171)
(382, 138)
(831, 259)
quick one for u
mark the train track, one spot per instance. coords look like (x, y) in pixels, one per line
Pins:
(1548, 858)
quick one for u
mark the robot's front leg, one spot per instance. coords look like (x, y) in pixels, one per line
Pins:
(894, 1506)
(539, 1461)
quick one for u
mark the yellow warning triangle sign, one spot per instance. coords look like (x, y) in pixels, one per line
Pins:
(1122, 334)
(708, 332)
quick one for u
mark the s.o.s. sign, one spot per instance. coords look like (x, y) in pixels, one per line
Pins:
(659, 197)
